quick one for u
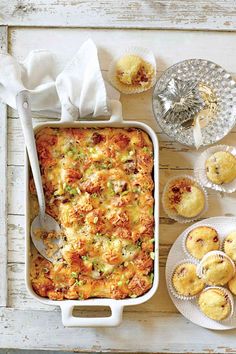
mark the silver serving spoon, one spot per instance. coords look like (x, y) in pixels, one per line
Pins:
(43, 221)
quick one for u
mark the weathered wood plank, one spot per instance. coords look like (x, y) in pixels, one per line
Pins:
(165, 14)
(16, 190)
(169, 47)
(3, 186)
(153, 332)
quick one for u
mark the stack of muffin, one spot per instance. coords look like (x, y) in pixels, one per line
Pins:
(209, 275)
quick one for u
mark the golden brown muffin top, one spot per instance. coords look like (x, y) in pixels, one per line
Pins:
(185, 280)
(215, 304)
(202, 240)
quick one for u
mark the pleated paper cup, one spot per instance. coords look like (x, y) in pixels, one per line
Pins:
(170, 281)
(216, 254)
(173, 214)
(185, 236)
(200, 169)
(229, 298)
(145, 54)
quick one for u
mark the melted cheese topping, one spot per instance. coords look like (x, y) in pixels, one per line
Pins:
(98, 185)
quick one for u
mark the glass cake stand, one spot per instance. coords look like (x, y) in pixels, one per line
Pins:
(219, 115)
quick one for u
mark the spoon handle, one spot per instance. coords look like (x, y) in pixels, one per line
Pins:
(24, 111)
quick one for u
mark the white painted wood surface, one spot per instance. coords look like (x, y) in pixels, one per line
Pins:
(30, 324)
(3, 186)
(164, 14)
(138, 332)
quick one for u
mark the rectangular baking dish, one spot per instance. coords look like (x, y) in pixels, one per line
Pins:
(116, 306)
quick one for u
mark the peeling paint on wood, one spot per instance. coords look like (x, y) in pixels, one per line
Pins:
(152, 329)
(164, 14)
(169, 47)
(3, 186)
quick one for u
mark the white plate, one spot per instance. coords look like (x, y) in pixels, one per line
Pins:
(189, 308)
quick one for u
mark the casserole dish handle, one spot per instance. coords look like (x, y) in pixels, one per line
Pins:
(69, 320)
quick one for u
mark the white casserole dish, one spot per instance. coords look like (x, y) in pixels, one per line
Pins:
(116, 306)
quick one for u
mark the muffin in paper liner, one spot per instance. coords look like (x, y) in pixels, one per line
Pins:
(185, 236)
(200, 169)
(229, 298)
(147, 56)
(171, 286)
(172, 213)
(224, 248)
(217, 254)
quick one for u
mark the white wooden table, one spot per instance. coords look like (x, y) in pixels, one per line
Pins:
(155, 326)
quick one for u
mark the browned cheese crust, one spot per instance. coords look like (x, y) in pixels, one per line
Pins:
(98, 185)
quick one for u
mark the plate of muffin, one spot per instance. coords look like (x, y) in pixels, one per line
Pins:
(201, 273)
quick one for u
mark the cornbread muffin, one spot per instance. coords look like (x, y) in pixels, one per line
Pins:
(185, 281)
(217, 269)
(221, 167)
(132, 70)
(232, 285)
(202, 240)
(185, 197)
(215, 304)
(230, 245)
(191, 203)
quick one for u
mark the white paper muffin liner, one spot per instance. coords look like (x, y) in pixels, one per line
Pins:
(184, 238)
(144, 53)
(210, 254)
(229, 296)
(200, 169)
(173, 215)
(171, 286)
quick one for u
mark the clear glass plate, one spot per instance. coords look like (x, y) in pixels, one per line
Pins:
(224, 89)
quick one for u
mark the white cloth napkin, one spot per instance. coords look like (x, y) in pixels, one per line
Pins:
(77, 91)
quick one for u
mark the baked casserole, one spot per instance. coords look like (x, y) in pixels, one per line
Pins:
(98, 185)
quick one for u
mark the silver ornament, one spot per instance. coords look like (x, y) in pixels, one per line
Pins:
(180, 101)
